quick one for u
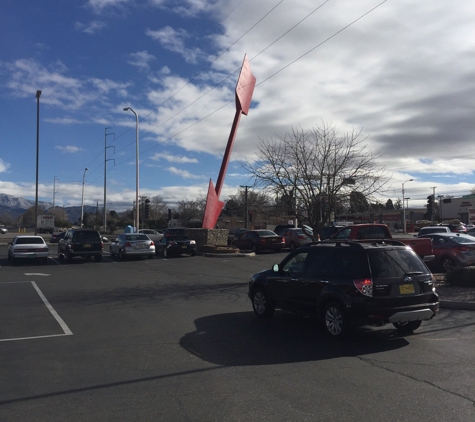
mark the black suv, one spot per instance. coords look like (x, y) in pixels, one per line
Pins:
(349, 284)
(81, 242)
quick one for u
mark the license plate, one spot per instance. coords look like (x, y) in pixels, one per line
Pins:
(140, 246)
(31, 255)
(87, 245)
(406, 289)
(184, 247)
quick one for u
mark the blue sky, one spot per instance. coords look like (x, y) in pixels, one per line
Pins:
(403, 72)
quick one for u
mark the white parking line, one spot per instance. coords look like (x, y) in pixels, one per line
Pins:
(67, 331)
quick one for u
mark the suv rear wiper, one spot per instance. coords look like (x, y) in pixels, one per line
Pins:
(414, 273)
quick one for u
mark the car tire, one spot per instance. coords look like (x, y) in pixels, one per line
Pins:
(292, 246)
(261, 303)
(98, 258)
(447, 263)
(150, 257)
(44, 261)
(193, 253)
(69, 256)
(407, 327)
(112, 254)
(165, 253)
(122, 255)
(254, 248)
(60, 255)
(335, 320)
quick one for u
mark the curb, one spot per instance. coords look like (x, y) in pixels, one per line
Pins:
(227, 255)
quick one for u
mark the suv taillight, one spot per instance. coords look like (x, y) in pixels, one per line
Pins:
(364, 286)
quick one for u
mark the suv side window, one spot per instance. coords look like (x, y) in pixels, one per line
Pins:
(296, 264)
(350, 263)
(320, 261)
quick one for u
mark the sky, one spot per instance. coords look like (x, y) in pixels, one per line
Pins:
(402, 72)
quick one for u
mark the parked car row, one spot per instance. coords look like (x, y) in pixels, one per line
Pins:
(88, 243)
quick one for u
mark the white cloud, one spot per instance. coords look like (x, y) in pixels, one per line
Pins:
(141, 59)
(99, 5)
(183, 173)
(173, 158)
(3, 166)
(174, 40)
(90, 28)
(69, 149)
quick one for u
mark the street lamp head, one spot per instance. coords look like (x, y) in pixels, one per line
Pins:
(126, 108)
(38, 93)
(86, 169)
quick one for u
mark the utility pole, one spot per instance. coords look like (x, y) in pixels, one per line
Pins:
(105, 173)
(54, 188)
(246, 210)
(433, 196)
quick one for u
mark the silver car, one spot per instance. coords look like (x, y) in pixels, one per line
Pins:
(132, 244)
(28, 247)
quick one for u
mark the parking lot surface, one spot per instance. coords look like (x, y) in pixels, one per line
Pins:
(176, 339)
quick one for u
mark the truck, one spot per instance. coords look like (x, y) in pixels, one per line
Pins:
(381, 232)
(45, 223)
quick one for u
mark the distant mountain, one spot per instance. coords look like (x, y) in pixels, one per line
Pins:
(17, 206)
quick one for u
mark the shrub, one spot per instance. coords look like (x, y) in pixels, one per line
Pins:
(461, 277)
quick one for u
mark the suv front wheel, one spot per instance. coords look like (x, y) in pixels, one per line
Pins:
(261, 304)
(335, 320)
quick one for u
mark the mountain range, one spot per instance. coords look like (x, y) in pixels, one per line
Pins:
(15, 207)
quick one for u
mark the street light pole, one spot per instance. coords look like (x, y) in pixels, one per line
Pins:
(38, 94)
(403, 207)
(137, 172)
(82, 200)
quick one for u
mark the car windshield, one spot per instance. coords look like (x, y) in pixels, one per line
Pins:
(266, 233)
(395, 263)
(29, 241)
(137, 237)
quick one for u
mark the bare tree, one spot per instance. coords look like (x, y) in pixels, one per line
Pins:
(315, 171)
(158, 207)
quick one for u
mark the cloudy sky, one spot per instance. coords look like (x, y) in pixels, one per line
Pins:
(402, 71)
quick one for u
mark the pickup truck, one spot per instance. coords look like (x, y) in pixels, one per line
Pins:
(381, 232)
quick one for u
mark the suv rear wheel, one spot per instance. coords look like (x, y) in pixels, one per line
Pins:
(448, 263)
(335, 320)
(261, 304)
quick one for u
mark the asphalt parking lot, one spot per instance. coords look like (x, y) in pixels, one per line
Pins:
(176, 339)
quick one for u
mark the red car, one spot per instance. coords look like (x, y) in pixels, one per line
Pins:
(259, 240)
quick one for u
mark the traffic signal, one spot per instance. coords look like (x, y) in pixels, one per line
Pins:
(169, 214)
(147, 208)
(430, 204)
(250, 216)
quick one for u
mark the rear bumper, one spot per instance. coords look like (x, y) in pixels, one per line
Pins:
(362, 315)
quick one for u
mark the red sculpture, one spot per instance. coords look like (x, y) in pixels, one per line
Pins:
(244, 90)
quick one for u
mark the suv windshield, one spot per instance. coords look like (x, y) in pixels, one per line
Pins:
(395, 263)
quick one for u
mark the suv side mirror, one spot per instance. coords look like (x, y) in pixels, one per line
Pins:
(276, 268)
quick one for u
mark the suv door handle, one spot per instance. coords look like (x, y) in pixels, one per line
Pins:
(324, 281)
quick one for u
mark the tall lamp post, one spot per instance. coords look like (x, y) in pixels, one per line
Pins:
(403, 207)
(38, 94)
(137, 213)
(82, 200)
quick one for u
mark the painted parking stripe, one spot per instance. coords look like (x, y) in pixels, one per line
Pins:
(59, 320)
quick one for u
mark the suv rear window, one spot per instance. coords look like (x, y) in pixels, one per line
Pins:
(395, 263)
(86, 235)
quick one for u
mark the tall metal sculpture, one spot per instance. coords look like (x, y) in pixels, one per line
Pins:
(244, 90)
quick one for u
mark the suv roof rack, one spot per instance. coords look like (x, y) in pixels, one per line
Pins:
(359, 243)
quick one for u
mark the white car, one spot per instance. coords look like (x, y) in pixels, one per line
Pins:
(28, 247)
(3, 230)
